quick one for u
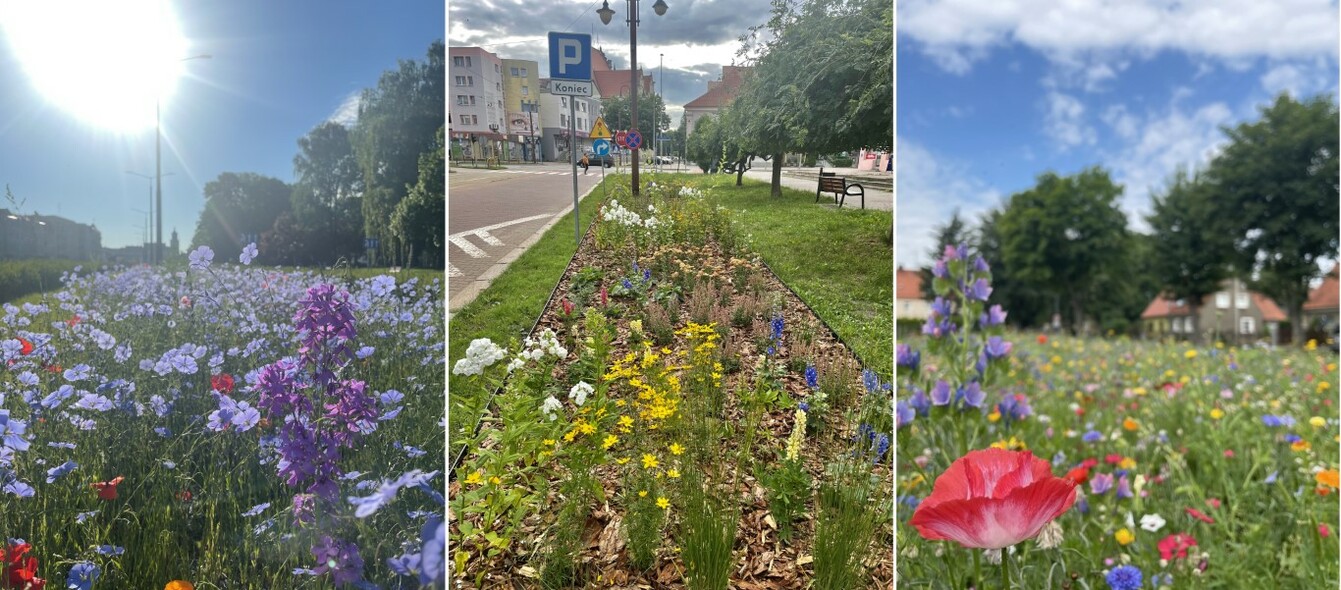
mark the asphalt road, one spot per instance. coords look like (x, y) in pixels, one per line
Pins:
(490, 213)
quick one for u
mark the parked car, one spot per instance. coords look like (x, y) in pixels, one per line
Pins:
(607, 160)
(665, 160)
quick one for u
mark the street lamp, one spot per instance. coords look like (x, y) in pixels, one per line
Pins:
(606, 14)
(158, 166)
(148, 220)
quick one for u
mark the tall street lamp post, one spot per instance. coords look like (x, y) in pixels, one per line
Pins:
(606, 14)
(148, 220)
(158, 169)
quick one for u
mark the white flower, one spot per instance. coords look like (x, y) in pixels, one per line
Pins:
(516, 363)
(551, 406)
(993, 556)
(481, 353)
(580, 392)
(1152, 522)
(1051, 535)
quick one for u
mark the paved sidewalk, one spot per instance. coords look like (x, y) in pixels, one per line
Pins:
(875, 198)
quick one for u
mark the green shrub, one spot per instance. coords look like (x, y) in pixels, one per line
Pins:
(25, 277)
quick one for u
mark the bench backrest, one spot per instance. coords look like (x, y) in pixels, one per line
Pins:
(832, 183)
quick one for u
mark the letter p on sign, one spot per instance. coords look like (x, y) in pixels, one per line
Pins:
(570, 56)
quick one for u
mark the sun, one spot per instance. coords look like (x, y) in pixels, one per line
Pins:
(105, 63)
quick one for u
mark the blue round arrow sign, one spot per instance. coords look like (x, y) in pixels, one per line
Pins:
(601, 147)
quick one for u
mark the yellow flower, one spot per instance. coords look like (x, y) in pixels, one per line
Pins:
(622, 460)
(994, 416)
(913, 482)
(1323, 386)
(672, 473)
(587, 428)
(1330, 478)
(1013, 444)
(649, 461)
(1191, 354)
(1124, 537)
(475, 478)
(1217, 413)
(494, 480)
(636, 326)
(1127, 463)
(663, 503)
(1317, 421)
(642, 493)
(676, 449)
(1312, 345)
(610, 441)
(550, 442)
(179, 585)
(1130, 424)
(1300, 445)
(1139, 391)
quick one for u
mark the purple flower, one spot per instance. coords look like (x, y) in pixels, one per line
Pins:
(339, 558)
(980, 264)
(908, 358)
(248, 254)
(940, 270)
(386, 492)
(1100, 483)
(60, 471)
(257, 509)
(971, 395)
(778, 324)
(904, 413)
(1092, 436)
(1123, 488)
(994, 316)
(940, 393)
(18, 488)
(201, 258)
(812, 377)
(404, 565)
(1124, 577)
(919, 402)
(997, 347)
(1014, 407)
(83, 574)
(979, 291)
(941, 307)
(434, 537)
(110, 550)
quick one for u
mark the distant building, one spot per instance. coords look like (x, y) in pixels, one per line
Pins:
(475, 101)
(47, 236)
(720, 93)
(127, 255)
(612, 82)
(521, 88)
(911, 304)
(1323, 305)
(553, 121)
(1233, 313)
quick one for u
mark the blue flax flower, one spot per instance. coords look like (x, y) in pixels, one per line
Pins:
(82, 575)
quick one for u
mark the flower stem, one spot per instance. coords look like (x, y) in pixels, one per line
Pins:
(977, 568)
(1005, 568)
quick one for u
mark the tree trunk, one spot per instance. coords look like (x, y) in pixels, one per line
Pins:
(1196, 322)
(1297, 332)
(777, 176)
(740, 170)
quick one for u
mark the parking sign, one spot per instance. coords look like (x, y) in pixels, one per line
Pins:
(569, 56)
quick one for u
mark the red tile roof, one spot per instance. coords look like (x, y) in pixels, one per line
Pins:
(720, 92)
(908, 284)
(1325, 298)
(616, 82)
(1270, 311)
(1163, 307)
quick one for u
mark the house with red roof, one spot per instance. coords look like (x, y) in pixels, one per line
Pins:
(1323, 307)
(908, 295)
(720, 93)
(1234, 313)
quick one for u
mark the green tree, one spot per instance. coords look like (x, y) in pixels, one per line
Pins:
(1063, 235)
(705, 144)
(397, 122)
(326, 196)
(237, 204)
(651, 114)
(1276, 196)
(1025, 305)
(418, 220)
(1189, 254)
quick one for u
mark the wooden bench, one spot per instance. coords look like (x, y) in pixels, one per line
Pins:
(830, 182)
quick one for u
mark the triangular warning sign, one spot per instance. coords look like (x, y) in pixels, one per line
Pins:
(599, 130)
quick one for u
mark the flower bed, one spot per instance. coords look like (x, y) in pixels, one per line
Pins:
(1061, 462)
(222, 426)
(678, 420)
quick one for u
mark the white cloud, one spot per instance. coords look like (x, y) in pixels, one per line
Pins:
(347, 113)
(929, 188)
(1122, 122)
(1227, 30)
(1300, 79)
(1159, 144)
(1064, 121)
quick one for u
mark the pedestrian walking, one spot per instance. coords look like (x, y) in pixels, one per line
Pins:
(586, 163)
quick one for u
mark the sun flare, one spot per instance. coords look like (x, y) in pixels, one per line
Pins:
(105, 63)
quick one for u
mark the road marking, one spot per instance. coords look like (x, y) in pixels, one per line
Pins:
(465, 245)
(488, 238)
(453, 271)
(489, 228)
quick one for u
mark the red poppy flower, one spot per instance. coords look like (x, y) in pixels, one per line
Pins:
(1088, 463)
(20, 570)
(1197, 514)
(55, 369)
(1176, 544)
(26, 347)
(73, 321)
(1113, 458)
(184, 495)
(107, 489)
(1042, 339)
(222, 383)
(1080, 475)
(992, 499)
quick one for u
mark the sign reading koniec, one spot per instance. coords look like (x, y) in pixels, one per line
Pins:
(570, 64)
(570, 87)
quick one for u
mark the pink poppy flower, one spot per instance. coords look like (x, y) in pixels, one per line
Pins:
(1199, 515)
(992, 499)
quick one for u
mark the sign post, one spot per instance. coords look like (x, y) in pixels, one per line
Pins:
(570, 74)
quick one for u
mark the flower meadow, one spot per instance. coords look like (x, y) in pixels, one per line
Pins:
(222, 426)
(1042, 461)
(678, 419)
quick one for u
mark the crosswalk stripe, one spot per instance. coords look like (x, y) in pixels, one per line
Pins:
(489, 238)
(465, 245)
(453, 271)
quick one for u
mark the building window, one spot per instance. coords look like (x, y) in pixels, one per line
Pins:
(467, 61)
(515, 72)
(465, 119)
(563, 100)
(1246, 325)
(1241, 300)
(563, 120)
(526, 91)
(523, 70)
(581, 123)
(458, 61)
(472, 100)
(1177, 325)
(470, 80)
(474, 120)
(497, 69)
(460, 80)
(1222, 300)
(462, 100)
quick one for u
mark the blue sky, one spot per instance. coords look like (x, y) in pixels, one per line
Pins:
(277, 70)
(990, 98)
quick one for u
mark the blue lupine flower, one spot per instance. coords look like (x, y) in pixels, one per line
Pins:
(803, 406)
(812, 377)
(778, 326)
(628, 286)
